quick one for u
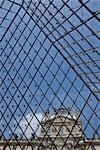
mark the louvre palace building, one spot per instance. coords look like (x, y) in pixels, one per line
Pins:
(60, 130)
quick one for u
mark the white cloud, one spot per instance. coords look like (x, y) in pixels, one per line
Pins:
(30, 123)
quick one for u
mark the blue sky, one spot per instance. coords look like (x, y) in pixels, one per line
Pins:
(34, 71)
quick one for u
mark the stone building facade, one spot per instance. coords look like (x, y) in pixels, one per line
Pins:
(62, 131)
(59, 131)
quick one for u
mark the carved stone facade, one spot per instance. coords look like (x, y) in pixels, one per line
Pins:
(59, 131)
(62, 131)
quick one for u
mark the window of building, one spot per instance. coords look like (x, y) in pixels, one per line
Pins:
(46, 141)
(33, 147)
(61, 129)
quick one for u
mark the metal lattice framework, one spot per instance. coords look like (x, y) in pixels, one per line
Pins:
(49, 58)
